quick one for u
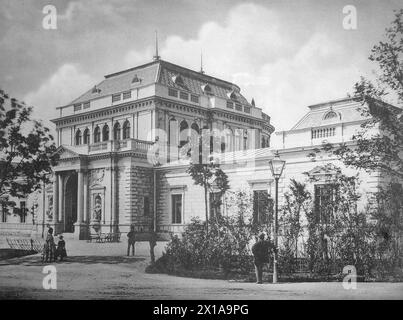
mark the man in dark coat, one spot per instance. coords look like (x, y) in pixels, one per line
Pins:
(261, 252)
(131, 240)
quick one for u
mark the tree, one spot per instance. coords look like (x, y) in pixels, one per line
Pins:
(339, 233)
(209, 176)
(384, 150)
(388, 226)
(27, 150)
(297, 202)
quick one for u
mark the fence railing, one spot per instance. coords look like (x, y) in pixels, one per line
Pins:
(121, 145)
(174, 228)
(17, 226)
(25, 244)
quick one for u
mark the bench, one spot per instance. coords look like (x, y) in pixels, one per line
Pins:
(94, 236)
(104, 237)
(114, 237)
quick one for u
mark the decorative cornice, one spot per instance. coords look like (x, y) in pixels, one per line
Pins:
(224, 115)
(106, 112)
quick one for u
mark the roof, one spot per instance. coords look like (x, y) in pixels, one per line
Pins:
(346, 110)
(66, 151)
(121, 81)
(194, 81)
(162, 72)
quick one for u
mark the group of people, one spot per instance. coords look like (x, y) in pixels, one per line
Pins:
(51, 251)
(262, 250)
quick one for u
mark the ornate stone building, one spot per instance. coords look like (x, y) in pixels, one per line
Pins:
(105, 178)
(125, 145)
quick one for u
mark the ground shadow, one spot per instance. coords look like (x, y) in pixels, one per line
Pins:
(36, 260)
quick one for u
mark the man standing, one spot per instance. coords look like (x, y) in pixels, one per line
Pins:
(261, 253)
(131, 240)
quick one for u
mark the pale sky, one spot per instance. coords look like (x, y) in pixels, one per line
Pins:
(284, 54)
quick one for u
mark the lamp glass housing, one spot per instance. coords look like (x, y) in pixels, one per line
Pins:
(277, 166)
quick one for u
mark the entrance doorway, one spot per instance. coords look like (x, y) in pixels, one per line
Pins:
(70, 207)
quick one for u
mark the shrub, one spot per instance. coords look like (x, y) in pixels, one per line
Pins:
(225, 248)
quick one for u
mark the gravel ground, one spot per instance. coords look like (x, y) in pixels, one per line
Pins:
(102, 271)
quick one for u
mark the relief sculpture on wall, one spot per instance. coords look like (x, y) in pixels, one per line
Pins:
(97, 176)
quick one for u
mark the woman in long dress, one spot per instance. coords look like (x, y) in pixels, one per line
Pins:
(49, 247)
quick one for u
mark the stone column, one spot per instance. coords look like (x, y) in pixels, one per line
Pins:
(55, 198)
(80, 196)
(60, 198)
(85, 199)
(79, 228)
(114, 194)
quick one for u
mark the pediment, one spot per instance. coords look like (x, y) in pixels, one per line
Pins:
(326, 170)
(65, 153)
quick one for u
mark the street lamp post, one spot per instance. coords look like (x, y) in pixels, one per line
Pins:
(276, 167)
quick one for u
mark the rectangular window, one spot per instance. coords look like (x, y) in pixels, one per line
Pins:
(246, 109)
(146, 206)
(172, 92)
(262, 206)
(86, 105)
(116, 97)
(176, 208)
(215, 204)
(324, 198)
(184, 95)
(230, 105)
(194, 98)
(238, 107)
(127, 95)
(4, 212)
(77, 107)
(23, 211)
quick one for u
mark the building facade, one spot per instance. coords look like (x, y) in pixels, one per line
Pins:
(105, 178)
(125, 145)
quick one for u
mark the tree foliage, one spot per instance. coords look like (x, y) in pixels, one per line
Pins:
(212, 178)
(297, 203)
(27, 150)
(382, 150)
(225, 246)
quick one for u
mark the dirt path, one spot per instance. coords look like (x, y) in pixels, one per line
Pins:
(101, 271)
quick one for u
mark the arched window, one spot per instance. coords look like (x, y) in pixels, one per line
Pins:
(195, 141)
(173, 132)
(238, 139)
(330, 115)
(86, 136)
(173, 139)
(116, 131)
(183, 133)
(206, 89)
(178, 79)
(126, 130)
(105, 133)
(232, 95)
(97, 134)
(229, 139)
(78, 137)
(195, 132)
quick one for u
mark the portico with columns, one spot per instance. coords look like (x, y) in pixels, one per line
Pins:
(70, 196)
